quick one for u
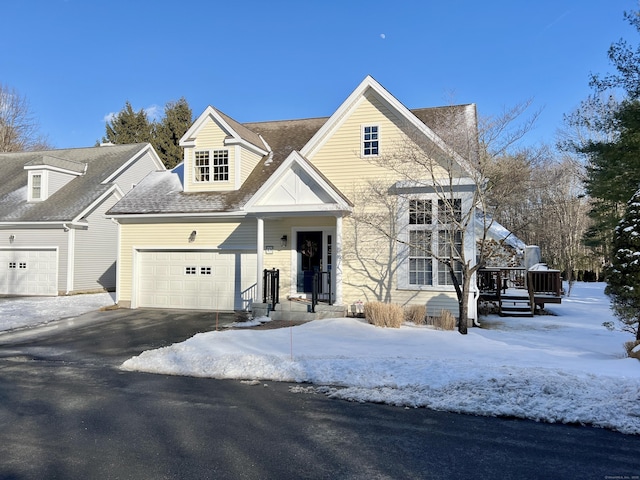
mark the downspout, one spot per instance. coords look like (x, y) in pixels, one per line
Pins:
(118, 243)
(71, 243)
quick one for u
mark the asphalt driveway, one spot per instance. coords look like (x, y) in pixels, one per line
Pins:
(67, 411)
(114, 335)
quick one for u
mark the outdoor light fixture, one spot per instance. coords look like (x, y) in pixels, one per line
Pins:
(192, 237)
(11, 238)
(283, 240)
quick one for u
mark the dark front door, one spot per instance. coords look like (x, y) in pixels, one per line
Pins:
(309, 248)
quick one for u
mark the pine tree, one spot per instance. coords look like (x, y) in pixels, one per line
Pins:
(176, 121)
(613, 172)
(624, 274)
(129, 126)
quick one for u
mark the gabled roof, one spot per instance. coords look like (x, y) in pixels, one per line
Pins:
(76, 196)
(315, 191)
(370, 85)
(162, 193)
(236, 132)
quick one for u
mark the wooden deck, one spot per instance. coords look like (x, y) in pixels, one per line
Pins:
(517, 291)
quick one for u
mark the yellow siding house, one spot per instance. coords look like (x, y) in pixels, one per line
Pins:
(301, 197)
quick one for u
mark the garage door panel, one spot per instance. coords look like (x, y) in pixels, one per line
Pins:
(191, 279)
(29, 271)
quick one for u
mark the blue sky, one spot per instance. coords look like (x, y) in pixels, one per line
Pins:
(77, 61)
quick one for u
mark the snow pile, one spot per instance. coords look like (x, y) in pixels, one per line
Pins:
(564, 368)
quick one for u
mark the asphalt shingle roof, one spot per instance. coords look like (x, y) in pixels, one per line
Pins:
(161, 192)
(72, 199)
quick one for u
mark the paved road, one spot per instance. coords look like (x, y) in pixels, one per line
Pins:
(67, 412)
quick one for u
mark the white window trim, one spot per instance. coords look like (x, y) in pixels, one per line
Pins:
(403, 249)
(44, 185)
(210, 152)
(362, 140)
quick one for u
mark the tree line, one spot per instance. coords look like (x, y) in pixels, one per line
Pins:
(130, 126)
(577, 200)
(20, 130)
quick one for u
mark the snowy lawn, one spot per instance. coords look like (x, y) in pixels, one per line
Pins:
(20, 312)
(563, 368)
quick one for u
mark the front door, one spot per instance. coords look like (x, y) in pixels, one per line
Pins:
(309, 247)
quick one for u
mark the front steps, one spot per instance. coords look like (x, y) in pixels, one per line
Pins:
(515, 306)
(298, 310)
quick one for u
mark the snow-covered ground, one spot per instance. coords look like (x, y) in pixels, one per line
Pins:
(556, 368)
(20, 312)
(561, 368)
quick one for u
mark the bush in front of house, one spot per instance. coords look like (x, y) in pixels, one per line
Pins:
(416, 314)
(445, 321)
(384, 314)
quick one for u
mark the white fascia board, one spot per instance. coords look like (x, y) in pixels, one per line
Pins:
(178, 216)
(352, 102)
(134, 158)
(189, 138)
(442, 182)
(114, 190)
(242, 142)
(294, 157)
(52, 169)
(288, 210)
(56, 224)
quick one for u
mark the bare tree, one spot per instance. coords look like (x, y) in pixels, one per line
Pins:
(440, 186)
(19, 129)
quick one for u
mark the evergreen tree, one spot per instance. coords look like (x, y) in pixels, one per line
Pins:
(168, 132)
(613, 172)
(129, 126)
(624, 273)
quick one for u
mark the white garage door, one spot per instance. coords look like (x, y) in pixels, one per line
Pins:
(29, 271)
(200, 279)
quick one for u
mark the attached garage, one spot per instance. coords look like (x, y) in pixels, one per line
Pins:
(194, 279)
(29, 271)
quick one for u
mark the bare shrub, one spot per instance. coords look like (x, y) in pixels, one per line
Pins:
(445, 321)
(416, 314)
(629, 346)
(384, 314)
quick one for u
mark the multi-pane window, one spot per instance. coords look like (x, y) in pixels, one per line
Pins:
(434, 241)
(205, 270)
(420, 262)
(370, 140)
(190, 270)
(449, 211)
(449, 246)
(211, 166)
(420, 212)
(201, 166)
(220, 167)
(12, 265)
(36, 187)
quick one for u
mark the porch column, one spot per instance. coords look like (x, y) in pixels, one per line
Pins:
(260, 259)
(338, 260)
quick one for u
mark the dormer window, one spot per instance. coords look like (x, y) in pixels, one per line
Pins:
(37, 186)
(211, 166)
(370, 138)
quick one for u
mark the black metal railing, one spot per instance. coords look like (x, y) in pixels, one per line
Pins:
(271, 287)
(318, 288)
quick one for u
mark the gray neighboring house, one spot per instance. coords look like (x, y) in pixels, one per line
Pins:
(54, 236)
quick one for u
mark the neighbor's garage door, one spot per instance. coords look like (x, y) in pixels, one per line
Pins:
(192, 279)
(29, 271)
